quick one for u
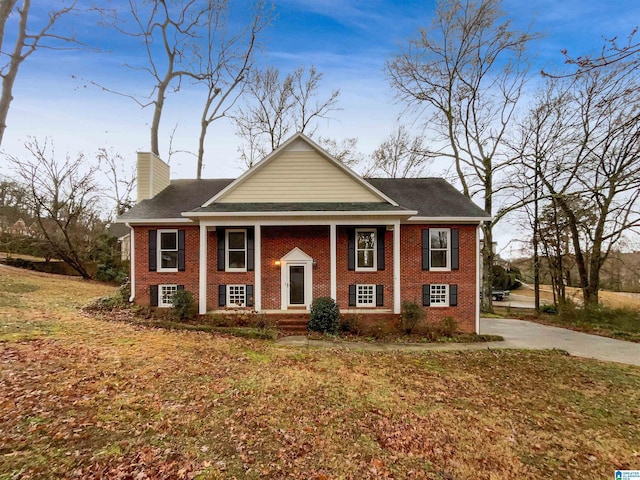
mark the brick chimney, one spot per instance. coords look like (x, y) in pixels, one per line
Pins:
(153, 175)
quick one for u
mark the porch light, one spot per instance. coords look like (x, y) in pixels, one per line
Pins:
(276, 263)
(314, 263)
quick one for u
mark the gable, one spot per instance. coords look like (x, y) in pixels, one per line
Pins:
(299, 173)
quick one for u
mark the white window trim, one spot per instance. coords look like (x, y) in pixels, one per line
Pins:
(226, 249)
(228, 300)
(447, 268)
(375, 250)
(446, 295)
(161, 303)
(373, 297)
(159, 251)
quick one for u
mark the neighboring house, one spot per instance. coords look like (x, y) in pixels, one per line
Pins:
(19, 228)
(121, 232)
(300, 225)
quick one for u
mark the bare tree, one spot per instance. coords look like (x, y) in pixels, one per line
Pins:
(275, 108)
(64, 197)
(121, 180)
(345, 150)
(466, 73)
(225, 66)
(595, 157)
(400, 155)
(28, 39)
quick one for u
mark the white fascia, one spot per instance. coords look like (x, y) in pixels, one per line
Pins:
(393, 213)
(448, 220)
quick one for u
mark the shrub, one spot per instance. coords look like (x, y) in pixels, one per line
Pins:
(447, 327)
(184, 306)
(351, 323)
(549, 309)
(412, 315)
(325, 315)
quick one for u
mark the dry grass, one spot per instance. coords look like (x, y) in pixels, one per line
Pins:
(607, 298)
(93, 399)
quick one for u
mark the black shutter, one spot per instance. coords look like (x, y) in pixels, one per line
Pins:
(153, 295)
(153, 251)
(455, 249)
(179, 287)
(248, 295)
(352, 295)
(222, 295)
(351, 238)
(379, 295)
(380, 245)
(453, 295)
(426, 295)
(221, 259)
(181, 250)
(425, 249)
(250, 249)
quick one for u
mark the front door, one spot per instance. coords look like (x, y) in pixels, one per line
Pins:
(296, 285)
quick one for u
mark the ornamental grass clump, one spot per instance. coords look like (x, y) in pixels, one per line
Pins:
(325, 316)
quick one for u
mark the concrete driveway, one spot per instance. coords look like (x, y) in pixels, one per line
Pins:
(530, 335)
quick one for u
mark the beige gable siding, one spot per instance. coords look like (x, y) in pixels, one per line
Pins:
(300, 175)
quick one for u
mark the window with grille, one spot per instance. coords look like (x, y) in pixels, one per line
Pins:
(168, 251)
(439, 243)
(165, 295)
(236, 295)
(439, 295)
(236, 250)
(365, 249)
(365, 295)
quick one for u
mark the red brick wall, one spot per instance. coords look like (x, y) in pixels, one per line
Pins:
(215, 277)
(144, 278)
(413, 277)
(277, 242)
(348, 277)
(314, 241)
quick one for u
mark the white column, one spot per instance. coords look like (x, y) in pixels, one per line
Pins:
(257, 269)
(396, 267)
(478, 278)
(132, 263)
(202, 293)
(332, 260)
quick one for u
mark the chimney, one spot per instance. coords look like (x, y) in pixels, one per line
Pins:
(153, 175)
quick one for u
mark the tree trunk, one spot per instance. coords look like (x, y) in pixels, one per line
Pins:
(9, 78)
(487, 267)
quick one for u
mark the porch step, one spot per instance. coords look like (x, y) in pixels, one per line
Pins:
(293, 323)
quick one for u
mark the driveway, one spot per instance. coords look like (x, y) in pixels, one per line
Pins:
(530, 335)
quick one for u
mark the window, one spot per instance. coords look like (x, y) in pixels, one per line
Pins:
(168, 251)
(439, 243)
(365, 295)
(365, 249)
(439, 295)
(236, 254)
(165, 297)
(236, 295)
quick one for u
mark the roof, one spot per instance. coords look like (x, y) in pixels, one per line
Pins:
(180, 196)
(430, 197)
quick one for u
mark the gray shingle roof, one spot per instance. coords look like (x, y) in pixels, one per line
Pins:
(431, 197)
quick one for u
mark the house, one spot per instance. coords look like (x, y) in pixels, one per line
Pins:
(122, 234)
(300, 225)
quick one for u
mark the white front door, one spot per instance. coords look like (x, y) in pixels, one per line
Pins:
(296, 280)
(296, 285)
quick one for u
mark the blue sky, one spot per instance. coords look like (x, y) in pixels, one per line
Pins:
(347, 40)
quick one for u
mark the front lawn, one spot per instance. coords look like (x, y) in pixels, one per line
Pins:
(85, 398)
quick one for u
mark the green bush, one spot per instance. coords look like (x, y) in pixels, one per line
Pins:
(325, 315)
(412, 315)
(549, 309)
(184, 306)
